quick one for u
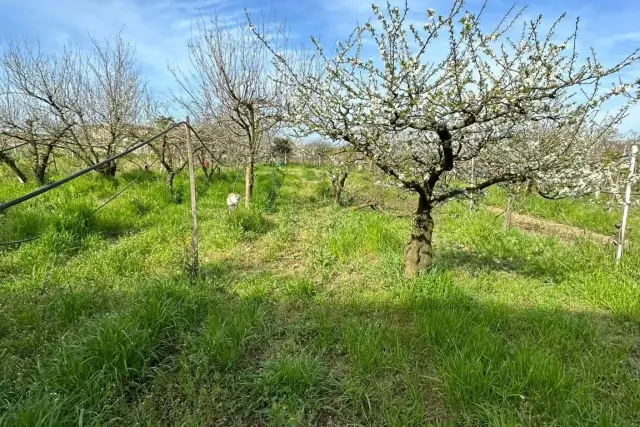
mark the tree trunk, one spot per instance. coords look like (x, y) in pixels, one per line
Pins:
(337, 192)
(108, 170)
(418, 254)
(40, 161)
(337, 184)
(248, 183)
(170, 177)
(208, 173)
(12, 165)
(53, 159)
(531, 186)
(40, 173)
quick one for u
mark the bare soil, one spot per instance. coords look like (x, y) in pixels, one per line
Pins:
(550, 228)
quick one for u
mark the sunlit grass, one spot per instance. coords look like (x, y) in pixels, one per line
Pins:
(301, 314)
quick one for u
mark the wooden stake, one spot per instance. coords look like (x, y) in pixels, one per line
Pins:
(472, 200)
(626, 203)
(194, 209)
(507, 213)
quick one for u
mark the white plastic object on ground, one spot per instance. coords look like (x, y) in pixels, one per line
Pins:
(233, 200)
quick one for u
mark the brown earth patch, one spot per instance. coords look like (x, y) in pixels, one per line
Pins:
(550, 228)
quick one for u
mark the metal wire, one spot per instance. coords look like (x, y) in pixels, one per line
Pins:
(205, 147)
(15, 146)
(17, 242)
(111, 199)
(58, 183)
(115, 196)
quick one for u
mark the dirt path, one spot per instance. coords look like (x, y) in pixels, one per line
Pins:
(550, 228)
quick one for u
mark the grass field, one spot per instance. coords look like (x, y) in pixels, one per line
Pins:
(301, 314)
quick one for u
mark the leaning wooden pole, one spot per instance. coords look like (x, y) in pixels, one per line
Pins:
(626, 203)
(507, 213)
(194, 209)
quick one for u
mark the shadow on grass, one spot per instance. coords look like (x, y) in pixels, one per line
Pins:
(475, 261)
(147, 177)
(222, 271)
(182, 353)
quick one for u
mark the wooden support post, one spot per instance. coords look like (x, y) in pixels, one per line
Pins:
(194, 209)
(626, 203)
(472, 200)
(507, 213)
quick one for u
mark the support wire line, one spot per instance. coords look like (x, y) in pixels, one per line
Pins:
(111, 199)
(62, 181)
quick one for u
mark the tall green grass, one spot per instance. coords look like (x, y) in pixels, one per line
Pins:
(301, 315)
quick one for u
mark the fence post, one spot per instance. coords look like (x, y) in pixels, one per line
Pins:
(472, 200)
(626, 203)
(507, 213)
(194, 210)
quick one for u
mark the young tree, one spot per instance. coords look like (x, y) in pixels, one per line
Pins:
(518, 100)
(230, 86)
(282, 147)
(318, 152)
(89, 103)
(170, 149)
(34, 90)
(342, 162)
(213, 147)
(112, 106)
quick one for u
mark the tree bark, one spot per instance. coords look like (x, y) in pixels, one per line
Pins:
(337, 192)
(12, 165)
(531, 186)
(40, 173)
(40, 162)
(418, 254)
(208, 171)
(170, 177)
(337, 184)
(108, 170)
(248, 182)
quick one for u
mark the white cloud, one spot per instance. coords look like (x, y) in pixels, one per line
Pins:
(159, 29)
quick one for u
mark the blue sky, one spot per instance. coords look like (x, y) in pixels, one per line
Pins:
(160, 28)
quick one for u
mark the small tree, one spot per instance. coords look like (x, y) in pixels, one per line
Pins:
(341, 165)
(35, 90)
(282, 147)
(230, 87)
(524, 108)
(113, 106)
(213, 149)
(170, 150)
(318, 152)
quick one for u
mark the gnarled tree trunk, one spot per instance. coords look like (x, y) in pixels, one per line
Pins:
(418, 253)
(337, 184)
(5, 158)
(108, 170)
(41, 162)
(248, 182)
